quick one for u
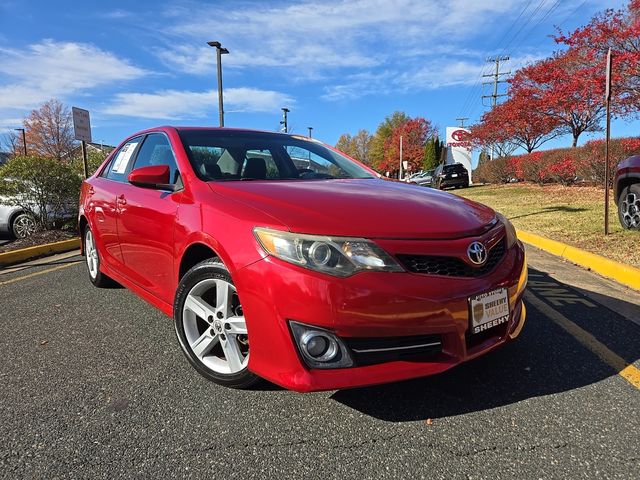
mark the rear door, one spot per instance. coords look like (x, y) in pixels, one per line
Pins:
(103, 192)
(146, 222)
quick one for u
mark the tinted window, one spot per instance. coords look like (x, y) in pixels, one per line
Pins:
(120, 163)
(217, 155)
(156, 150)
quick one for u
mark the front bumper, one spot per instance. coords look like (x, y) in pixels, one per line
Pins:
(369, 304)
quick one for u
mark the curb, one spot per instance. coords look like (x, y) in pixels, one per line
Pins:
(16, 256)
(620, 272)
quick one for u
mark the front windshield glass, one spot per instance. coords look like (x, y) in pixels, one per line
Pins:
(227, 155)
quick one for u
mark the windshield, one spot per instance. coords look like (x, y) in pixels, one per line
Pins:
(228, 155)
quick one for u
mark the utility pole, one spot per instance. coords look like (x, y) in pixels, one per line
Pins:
(24, 139)
(310, 128)
(220, 50)
(284, 119)
(496, 81)
(461, 120)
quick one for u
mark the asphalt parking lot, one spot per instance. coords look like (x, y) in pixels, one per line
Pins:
(93, 385)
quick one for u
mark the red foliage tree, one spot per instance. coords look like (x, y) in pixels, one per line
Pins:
(414, 132)
(520, 121)
(620, 31)
(566, 87)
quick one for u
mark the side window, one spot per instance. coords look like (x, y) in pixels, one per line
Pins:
(156, 150)
(117, 168)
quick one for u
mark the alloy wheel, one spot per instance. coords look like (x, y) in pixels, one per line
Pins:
(24, 226)
(631, 210)
(91, 254)
(215, 327)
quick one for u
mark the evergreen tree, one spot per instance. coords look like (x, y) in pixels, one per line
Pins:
(430, 160)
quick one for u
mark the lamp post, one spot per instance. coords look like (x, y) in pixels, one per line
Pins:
(24, 139)
(310, 128)
(220, 50)
(285, 110)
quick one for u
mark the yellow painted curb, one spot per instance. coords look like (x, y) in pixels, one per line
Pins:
(16, 256)
(620, 272)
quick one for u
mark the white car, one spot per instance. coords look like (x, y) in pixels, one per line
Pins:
(15, 221)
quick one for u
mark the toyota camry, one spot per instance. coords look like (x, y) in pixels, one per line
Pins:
(279, 257)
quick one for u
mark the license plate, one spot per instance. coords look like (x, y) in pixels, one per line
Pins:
(454, 175)
(489, 310)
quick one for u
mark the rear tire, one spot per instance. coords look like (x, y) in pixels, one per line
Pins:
(210, 326)
(92, 257)
(23, 225)
(629, 207)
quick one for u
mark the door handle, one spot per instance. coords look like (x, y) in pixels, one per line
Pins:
(90, 190)
(122, 200)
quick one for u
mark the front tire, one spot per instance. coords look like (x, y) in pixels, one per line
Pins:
(629, 207)
(210, 325)
(92, 257)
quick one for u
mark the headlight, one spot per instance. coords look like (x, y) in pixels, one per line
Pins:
(509, 229)
(339, 256)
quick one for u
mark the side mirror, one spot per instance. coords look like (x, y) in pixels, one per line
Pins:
(153, 176)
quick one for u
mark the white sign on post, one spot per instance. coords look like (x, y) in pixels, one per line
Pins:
(81, 124)
(459, 148)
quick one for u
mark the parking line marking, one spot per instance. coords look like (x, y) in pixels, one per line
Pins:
(626, 370)
(41, 272)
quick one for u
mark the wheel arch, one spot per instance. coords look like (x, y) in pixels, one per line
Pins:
(13, 216)
(82, 224)
(624, 182)
(194, 254)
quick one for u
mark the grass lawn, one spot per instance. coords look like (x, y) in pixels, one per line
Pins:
(573, 215)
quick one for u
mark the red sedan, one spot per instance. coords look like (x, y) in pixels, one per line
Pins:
(279, 257)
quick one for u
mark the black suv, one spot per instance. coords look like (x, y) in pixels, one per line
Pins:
(446, 176)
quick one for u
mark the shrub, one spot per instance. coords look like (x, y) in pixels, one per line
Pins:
(564, 165)
(495, 171)
(45, 187)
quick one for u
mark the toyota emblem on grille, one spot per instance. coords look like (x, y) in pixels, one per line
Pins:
(477, 253)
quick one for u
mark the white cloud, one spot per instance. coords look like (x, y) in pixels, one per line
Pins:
(311, 36)
(174, 104)
(438, 73)
(57, 69)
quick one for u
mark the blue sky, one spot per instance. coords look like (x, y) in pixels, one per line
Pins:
(337, 65)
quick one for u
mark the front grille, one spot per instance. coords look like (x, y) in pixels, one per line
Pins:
(373, 350)
(452, 266)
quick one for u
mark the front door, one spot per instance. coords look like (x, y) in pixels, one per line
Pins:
(146, 223)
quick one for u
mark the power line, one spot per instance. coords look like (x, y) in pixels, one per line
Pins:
(468, 103)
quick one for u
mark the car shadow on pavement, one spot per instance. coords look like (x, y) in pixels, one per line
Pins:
(560, 208)
(544, 360)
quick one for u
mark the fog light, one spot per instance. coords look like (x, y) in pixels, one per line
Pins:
(320, 348)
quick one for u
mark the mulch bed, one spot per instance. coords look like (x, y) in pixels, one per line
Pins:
(38, 238)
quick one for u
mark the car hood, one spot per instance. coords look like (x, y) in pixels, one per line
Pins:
(370, 208)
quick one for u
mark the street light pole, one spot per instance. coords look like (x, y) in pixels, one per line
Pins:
(220, 50)
(284, 121)
(24, 139)
(310, 128)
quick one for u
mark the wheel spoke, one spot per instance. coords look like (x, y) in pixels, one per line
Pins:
(223, 298)
(232, 353)
(204, 344)
(199, 307)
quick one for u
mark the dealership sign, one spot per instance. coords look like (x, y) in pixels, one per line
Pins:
(459, 147)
